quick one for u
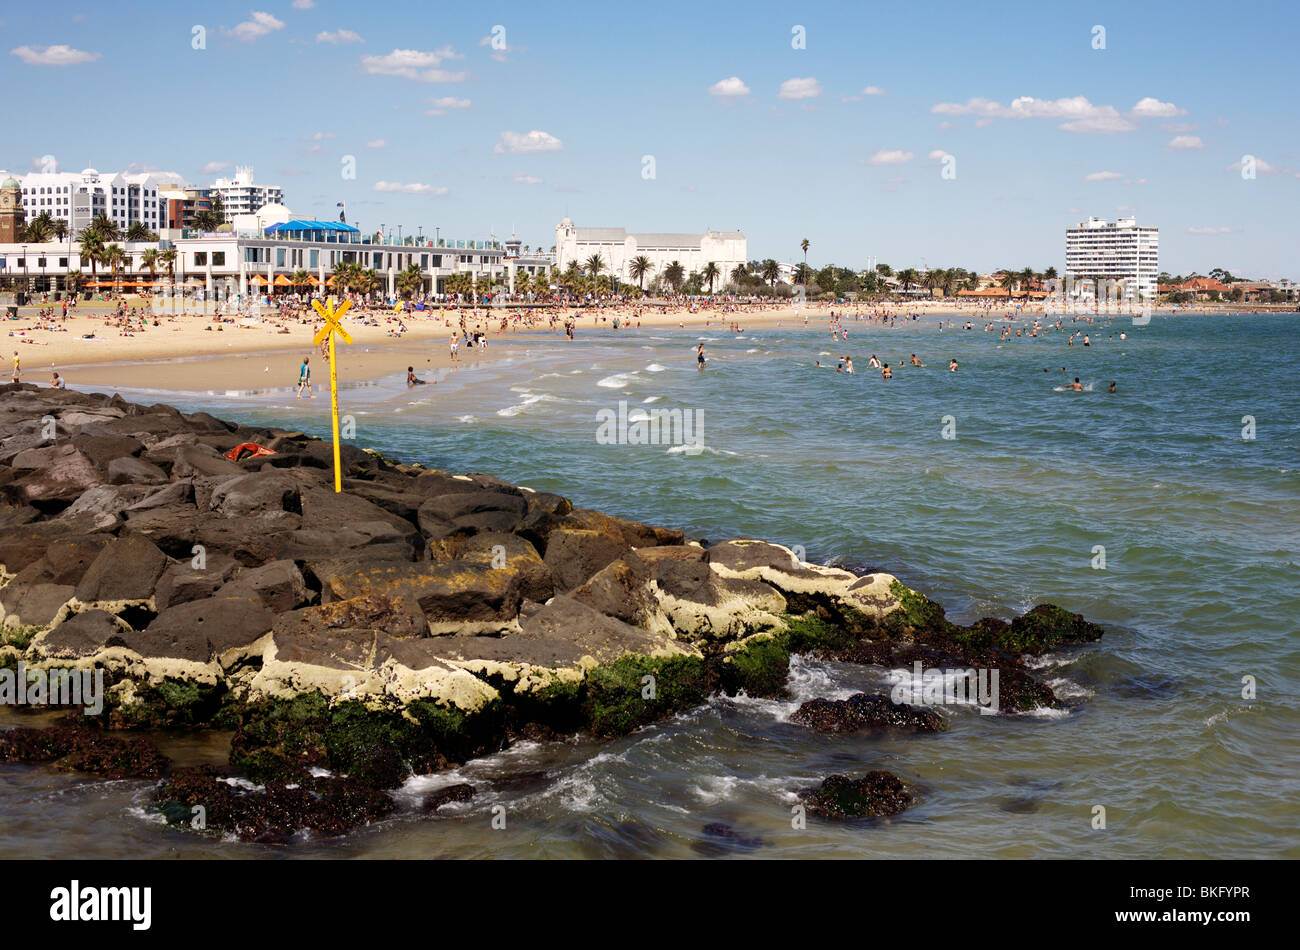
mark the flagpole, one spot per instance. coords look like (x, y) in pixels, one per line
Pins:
(334, 405)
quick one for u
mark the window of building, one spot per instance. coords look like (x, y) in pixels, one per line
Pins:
(218, 258)
(200, 258)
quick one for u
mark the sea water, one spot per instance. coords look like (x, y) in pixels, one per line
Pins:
(1166, 511)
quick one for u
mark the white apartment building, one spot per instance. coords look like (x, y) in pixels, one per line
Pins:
(1114, 250)
(245, 262)
(617, 248)
(240, 195)
(80, 197)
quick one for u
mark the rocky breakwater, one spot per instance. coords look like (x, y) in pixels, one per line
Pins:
(413, 621)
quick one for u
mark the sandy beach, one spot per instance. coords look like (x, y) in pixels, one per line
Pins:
(93, 348)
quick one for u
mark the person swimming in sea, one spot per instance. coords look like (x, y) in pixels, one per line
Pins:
(952, 365)
(1112, 387)
(886, 372)
(700, 358)
(1076, 386)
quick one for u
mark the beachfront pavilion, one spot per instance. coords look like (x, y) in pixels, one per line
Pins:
(231, 259)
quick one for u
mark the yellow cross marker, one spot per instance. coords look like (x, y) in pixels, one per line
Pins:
(332, 329)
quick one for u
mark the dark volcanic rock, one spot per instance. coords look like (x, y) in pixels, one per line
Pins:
(76, 745)
(126, 569)
(866, 712)
(278, 584)
(203, 629)
(445, 796)
(85, 634)
(876, 794)
(576, 554)
(273, 813)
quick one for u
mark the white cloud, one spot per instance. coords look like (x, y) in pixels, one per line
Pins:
(411, 189)
(873, 91)
(1103, 176)
(890, 157)
(58, 55)
(800, 89)
(211, 168)
(260, 25)
(320, 136)
(1149, 108)
(535, 141)
(1264, 168)
(1079, 114)
(339, 36)
(727, 88)
(527, 180)
(303, 4)
(1180, 142)
(420, 65)
(1197, 229)
(377, 143)
(442, 104)
(939, 155)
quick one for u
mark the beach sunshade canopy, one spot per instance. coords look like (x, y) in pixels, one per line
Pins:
(282, 281)
(257, 279)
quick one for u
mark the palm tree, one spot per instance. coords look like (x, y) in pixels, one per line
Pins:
(802, 273)
(60, 228)
(40, 229)
(301, 277)
(739, 274)
(1027, 277)
(92, 248)
(638, 268)
(106, 227)
(410, 281)
(114, 258)
(168, 258)
(675, 274)
(149, 260)
(593, 266)
(908, 276)
(138, 231)
(711, 273)
(1009, 279)
(771, 271)
(804, 245)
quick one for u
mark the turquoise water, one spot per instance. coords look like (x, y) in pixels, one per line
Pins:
(1200, 527)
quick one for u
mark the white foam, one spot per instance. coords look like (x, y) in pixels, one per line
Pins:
(651, 399)
(655, 368)
(617, 381)
(524, 406)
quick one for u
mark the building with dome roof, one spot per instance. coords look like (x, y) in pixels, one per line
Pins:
(617, 248)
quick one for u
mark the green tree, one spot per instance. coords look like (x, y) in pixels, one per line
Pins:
(675, 274)
(639, 267)
(711, 273)
(770, 271)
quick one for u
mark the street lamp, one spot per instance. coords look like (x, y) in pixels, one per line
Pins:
(26, 282)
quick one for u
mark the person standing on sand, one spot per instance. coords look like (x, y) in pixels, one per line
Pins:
(18, 367)
(454, 344)
(304, 378)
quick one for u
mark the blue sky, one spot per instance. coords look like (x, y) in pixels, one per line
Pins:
(746, 131)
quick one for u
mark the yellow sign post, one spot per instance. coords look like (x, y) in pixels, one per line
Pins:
(332, 329)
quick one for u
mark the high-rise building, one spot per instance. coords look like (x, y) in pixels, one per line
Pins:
(239, 195)
(80, 197)
(1114, 250)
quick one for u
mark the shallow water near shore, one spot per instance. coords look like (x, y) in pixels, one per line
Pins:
(1201, 587)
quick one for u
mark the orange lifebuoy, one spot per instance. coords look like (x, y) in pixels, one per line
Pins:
(248, 450)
